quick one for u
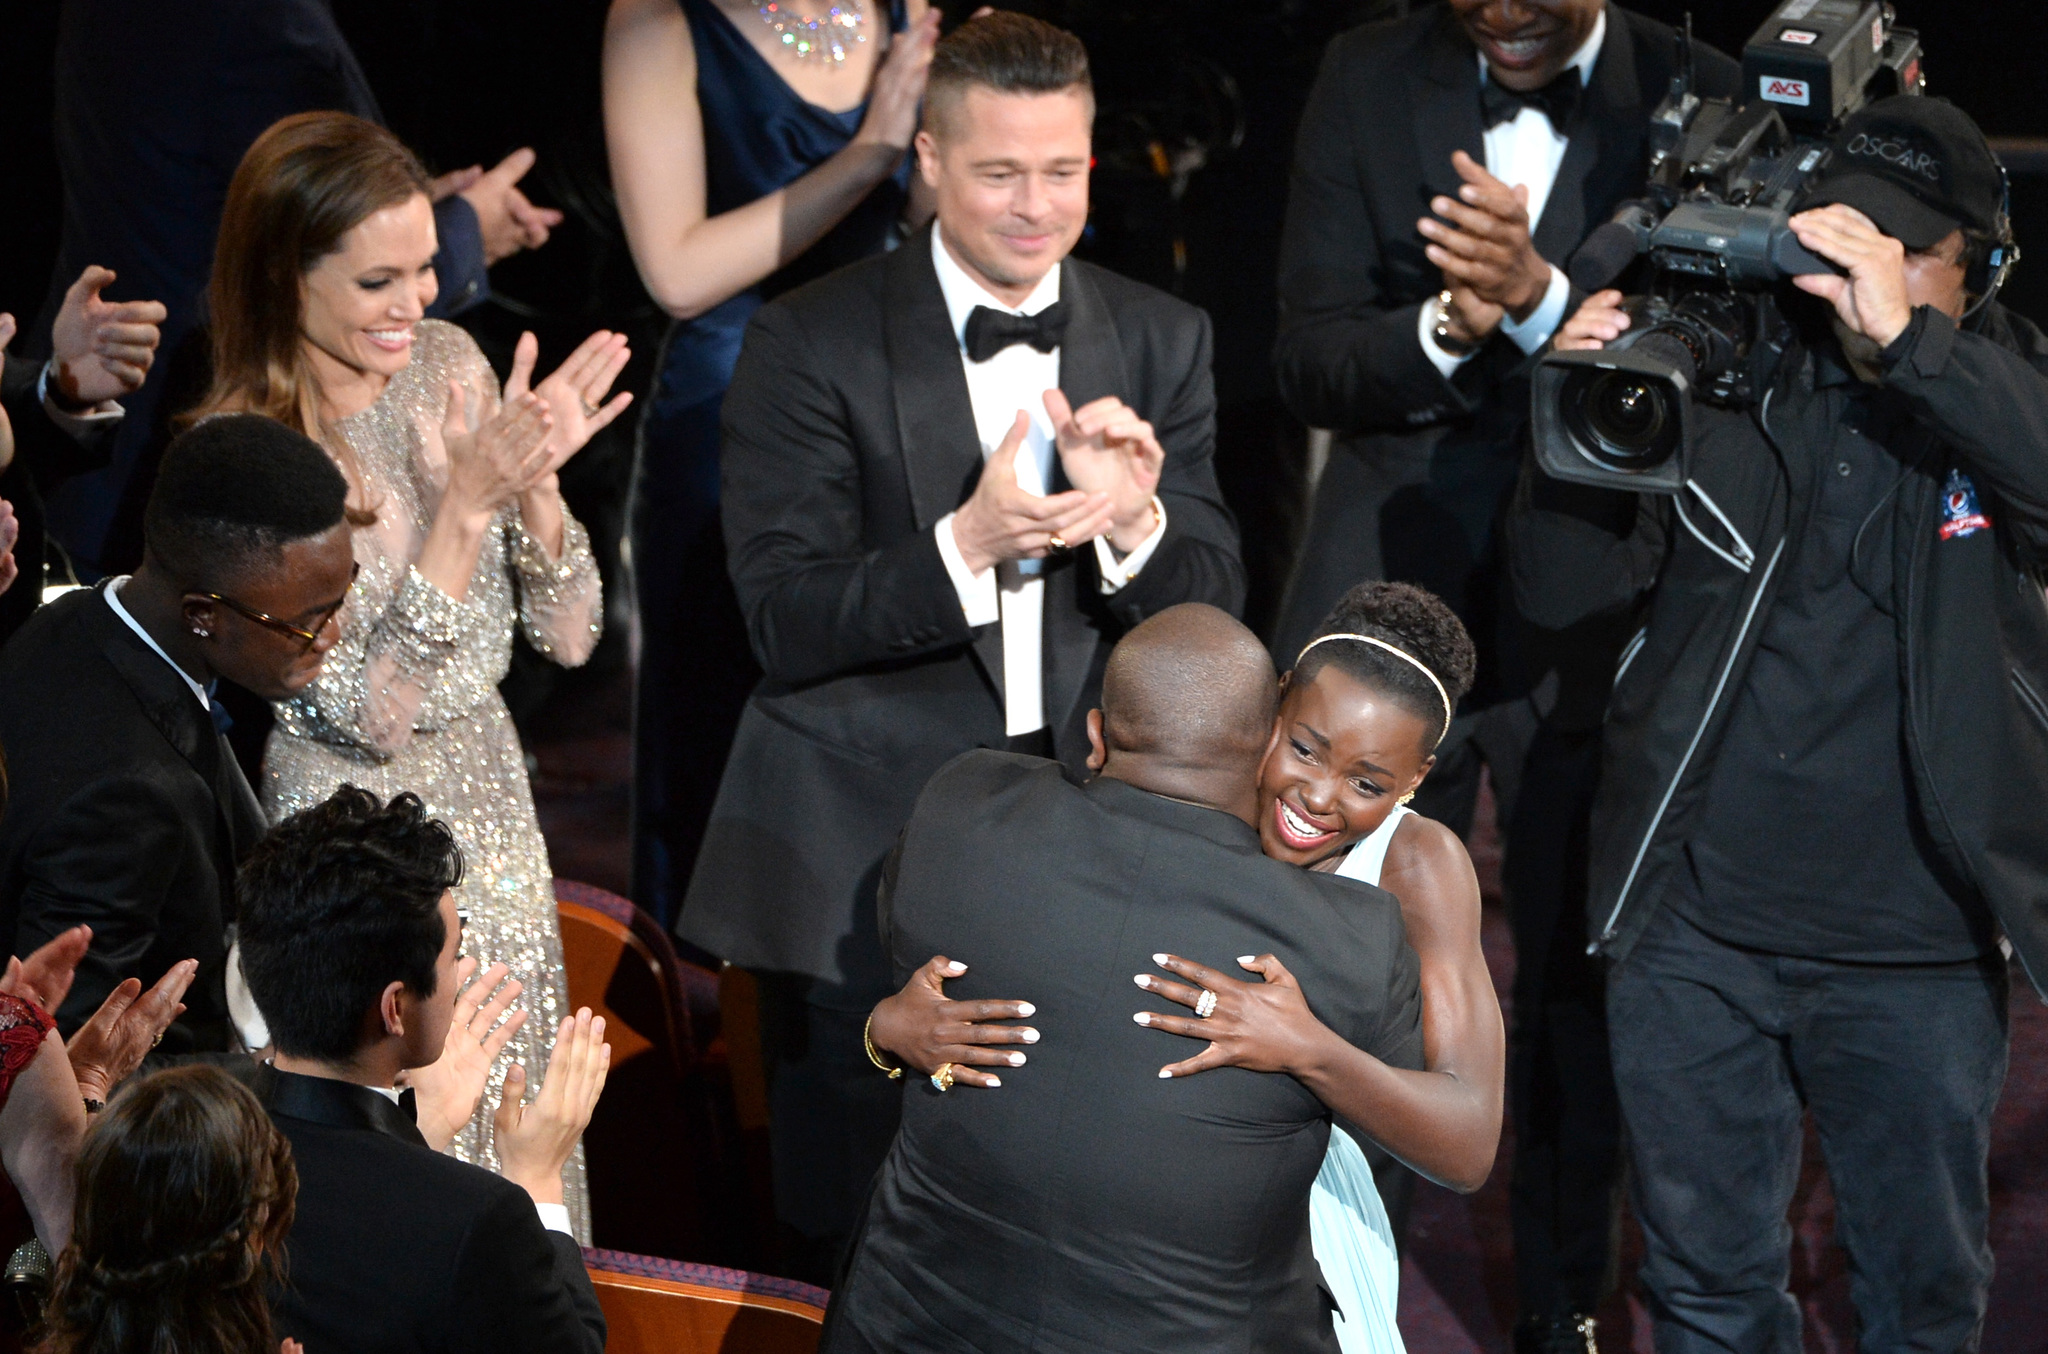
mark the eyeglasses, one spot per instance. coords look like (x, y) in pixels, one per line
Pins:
(311, 637)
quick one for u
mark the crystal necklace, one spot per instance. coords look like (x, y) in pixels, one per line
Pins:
(808, 39)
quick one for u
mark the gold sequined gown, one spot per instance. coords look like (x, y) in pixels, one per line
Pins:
(409, 697)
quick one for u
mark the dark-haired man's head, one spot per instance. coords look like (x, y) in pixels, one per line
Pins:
(1187, 704)
(349, 934)
(1005, 148)
(246, 554)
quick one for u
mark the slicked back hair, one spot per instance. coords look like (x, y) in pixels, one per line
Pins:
(1009, 53)
(232, 493)
(336, 903)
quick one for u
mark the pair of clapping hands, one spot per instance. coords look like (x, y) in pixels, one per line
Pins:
(1263, 1026)
(534, 1141)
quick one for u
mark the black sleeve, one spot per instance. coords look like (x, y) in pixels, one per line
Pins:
(1345, 357)
(1398, 1040)
(1575, 552)
(521, 1289)
(70, 875)
(1986, 394)
(1197, 559)
(818, 601)
(47, 450)
(459, 266)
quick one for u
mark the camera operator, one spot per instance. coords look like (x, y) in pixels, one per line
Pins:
(1510, 128)
(1821, 797)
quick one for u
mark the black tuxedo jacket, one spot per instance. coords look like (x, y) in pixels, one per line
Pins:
(398, 1249)
(44, 455)
(126, 811)
(1431, 460)
(1087, 1204)
(848, 434)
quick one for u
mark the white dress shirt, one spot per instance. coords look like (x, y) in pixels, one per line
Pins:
(77, 425)
(1525, 150)
(1013, 592)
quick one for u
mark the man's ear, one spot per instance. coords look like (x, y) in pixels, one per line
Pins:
(200, 617)
(927, 157)
(392, 1008)
(1098, 746)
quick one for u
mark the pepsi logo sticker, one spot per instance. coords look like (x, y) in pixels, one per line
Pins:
(1799, 37)
(1780, 89)
(1960, 513)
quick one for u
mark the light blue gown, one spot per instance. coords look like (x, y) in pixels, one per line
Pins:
(1354, 1241)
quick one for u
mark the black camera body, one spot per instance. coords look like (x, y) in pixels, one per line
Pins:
(1713, 230)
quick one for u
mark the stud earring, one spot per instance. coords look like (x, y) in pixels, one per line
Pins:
(203, 634)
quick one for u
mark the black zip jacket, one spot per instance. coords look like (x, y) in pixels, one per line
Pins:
(1702, 570)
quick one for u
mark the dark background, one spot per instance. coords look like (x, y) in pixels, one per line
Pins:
(1199, 100)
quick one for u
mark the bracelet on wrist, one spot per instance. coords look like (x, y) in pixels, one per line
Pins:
(867, 1037)
(1456, 347)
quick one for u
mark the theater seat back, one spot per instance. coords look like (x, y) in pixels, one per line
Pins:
(662, 1307)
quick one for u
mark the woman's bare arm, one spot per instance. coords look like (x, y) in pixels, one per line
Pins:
(654, 130)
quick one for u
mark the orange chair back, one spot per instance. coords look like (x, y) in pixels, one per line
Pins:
(662, 1316)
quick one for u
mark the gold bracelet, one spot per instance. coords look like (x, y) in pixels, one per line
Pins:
(867, 1036)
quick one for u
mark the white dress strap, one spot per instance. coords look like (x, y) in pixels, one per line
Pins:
(1369, 857)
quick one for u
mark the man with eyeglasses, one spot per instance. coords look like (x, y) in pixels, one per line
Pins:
(128, 812)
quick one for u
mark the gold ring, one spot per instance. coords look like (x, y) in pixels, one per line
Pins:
(589, 409)
(1205, 1005)
(158, 1040)
(943, 1078)
(1055, 542)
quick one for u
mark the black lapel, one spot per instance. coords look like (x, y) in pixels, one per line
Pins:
(335, 1104)
(934, 417)
(1091, 366)
(1447, 109)
(1603, 157)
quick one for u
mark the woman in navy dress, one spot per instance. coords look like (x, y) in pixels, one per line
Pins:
(754, 146)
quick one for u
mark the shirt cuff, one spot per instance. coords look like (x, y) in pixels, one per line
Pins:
(1117, 573)
(1425, 328)
(977, 592)
(99, 416)
(555, 1217)
(1534, 332)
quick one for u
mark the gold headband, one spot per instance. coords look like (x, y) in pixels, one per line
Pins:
(1401, 654)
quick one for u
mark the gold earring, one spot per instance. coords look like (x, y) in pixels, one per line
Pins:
(1410, 795)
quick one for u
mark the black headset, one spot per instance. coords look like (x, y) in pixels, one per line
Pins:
(1988, 274)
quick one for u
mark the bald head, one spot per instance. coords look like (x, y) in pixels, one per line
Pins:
(1190, 690)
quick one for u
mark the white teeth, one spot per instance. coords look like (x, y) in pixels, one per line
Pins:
(1519, 49)
(1295, 824)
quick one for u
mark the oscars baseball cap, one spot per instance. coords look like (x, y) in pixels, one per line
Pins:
(1916, 166)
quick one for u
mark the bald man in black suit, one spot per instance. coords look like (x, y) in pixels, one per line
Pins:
(1090, 1204)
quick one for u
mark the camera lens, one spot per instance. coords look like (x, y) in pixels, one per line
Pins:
(1626, 421)
(1625, 412)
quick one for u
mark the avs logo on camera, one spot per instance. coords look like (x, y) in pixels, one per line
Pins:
(1960, 514)
(1785, 89)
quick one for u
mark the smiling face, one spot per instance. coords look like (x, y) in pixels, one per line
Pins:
(1010, 172)
(362, 301)
(1527, 43)
(1341, 757)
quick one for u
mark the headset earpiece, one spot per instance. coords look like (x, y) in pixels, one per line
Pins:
(1987, 276)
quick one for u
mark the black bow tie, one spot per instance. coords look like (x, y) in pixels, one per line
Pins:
(1556, 100)
(991, 331)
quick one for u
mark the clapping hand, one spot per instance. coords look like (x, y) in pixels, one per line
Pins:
(493, 457)
(45, 976)
(925, 1029)
(127, 1026)
(447, 1090)
(10, 532)
(1483, 241)
(1107, 449)
(534, 1141)
(1262, 1027)
(1000, 521)
(574, 394)
(101, 350)
(507, 221)
(897, 94)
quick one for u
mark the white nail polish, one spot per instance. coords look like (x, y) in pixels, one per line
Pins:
(994, 1081)
(1025, 1008)
(1031, 1036)
(1246, 959)
(1016, 1060)
(1143, 1017)
(956, 967)
(1142, 979)
(1159, 959)
(1165, 1075)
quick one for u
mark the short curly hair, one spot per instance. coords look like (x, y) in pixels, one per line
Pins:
(1413, 620)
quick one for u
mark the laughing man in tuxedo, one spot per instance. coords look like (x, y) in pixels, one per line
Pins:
(1448, 164)
(954, 474)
